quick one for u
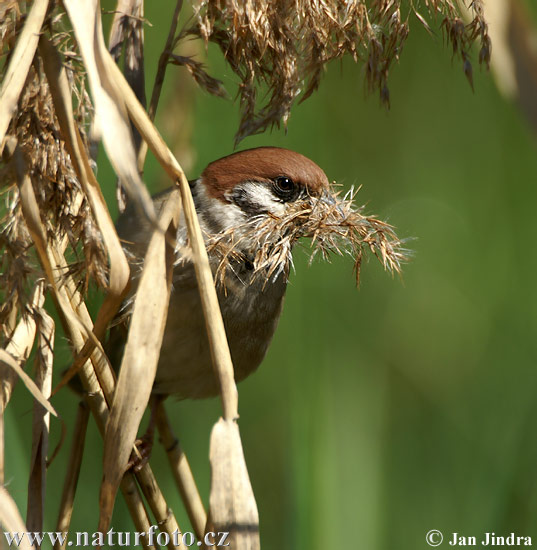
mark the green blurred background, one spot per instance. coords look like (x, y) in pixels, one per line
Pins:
(404, 406)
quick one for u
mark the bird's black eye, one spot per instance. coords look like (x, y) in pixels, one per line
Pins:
(285, 188)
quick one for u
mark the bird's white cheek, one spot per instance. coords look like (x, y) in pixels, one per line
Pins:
(228, 215)
(216, 215)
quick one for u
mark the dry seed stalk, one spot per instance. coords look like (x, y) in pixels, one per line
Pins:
(279, 50)
(57, 188)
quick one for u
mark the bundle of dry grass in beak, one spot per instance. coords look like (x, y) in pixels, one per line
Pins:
(332, 222)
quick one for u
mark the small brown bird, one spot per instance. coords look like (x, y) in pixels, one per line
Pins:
(252, 207)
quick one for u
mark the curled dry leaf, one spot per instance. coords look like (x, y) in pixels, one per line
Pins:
(20, 344)
(11, 520)
(232, 506)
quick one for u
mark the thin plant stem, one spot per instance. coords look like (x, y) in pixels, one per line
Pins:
(182, 473)
(73, 470)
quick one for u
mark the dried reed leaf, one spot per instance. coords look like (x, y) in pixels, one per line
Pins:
(143, 123)
(61, 95)
(119, 268)
(9, 361)
(11, 520)
(139, 364)
(41, 423)
(19, 65)
(111, 121)
(20, 344)
(232, 503)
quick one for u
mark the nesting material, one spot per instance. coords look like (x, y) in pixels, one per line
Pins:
(333, 224)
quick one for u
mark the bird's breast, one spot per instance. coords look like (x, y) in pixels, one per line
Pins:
(250, 310)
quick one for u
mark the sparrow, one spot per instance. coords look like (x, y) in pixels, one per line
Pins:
(253, 206)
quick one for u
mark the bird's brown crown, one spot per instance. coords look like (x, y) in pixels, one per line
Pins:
(263, 164)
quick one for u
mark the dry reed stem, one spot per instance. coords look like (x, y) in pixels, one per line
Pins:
(213, 317)
(61, 96)
(163, 514)
(41, 424)
(178, 461)
(159, 79)
(19, 65)
(98, 394)
(73, 471)
(182, 474)
(119, 269)
(10, 518)
(232, 502)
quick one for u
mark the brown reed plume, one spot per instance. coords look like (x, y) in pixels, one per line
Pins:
(332, 223)
(279, 50)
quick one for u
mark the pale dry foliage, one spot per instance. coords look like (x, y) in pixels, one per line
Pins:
(57, 237)
(280, 49)
(57, 187)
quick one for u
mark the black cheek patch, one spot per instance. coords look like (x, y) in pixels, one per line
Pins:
(244, 201)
